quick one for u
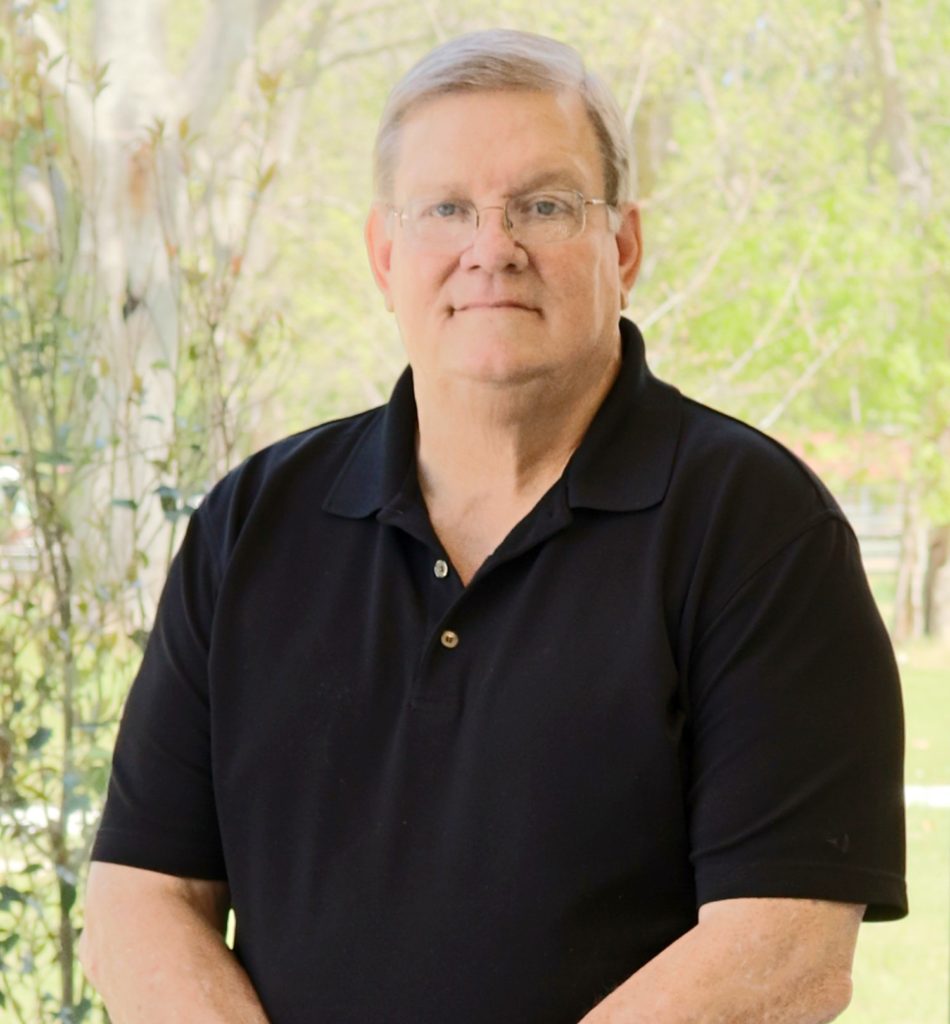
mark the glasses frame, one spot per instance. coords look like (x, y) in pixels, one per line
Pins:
(400, 214)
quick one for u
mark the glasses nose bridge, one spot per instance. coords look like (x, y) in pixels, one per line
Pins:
(505, 218)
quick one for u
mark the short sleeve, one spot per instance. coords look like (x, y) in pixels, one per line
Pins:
(796, 785)
(160, 808)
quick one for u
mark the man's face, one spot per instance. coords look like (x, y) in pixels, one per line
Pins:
(492, 310)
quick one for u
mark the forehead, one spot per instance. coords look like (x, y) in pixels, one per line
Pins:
(497, 142)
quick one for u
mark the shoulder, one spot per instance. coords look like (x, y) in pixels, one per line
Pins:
(290, 477)
(739, 502)
(740, 489)
(725, 457)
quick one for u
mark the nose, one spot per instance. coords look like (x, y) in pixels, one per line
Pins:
(492, 248)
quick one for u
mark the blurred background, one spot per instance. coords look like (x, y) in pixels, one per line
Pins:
(183, 185)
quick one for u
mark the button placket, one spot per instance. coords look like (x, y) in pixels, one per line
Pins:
(440, 676)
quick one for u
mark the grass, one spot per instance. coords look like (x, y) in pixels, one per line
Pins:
(925, 674)
(902, 968)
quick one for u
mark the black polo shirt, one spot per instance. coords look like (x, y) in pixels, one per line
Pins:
(668, 685)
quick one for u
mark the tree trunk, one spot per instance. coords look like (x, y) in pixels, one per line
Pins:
(908, 600)
(126, 134)
(936, 596)
(895, 127)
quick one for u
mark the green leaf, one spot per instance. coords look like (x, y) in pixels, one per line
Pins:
(9, 895)
(140, 638)
(268, 85)
(267, 177)
(124, 503)
(68, 898)
(99, 78)
(39, 739)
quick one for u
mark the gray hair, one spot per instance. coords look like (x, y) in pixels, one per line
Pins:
(505, 59)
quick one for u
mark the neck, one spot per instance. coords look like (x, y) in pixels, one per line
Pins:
(480, 442)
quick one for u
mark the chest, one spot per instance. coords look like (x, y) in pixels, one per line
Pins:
(386, 737)
(369, 644)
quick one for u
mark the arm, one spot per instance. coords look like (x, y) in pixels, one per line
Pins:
(771, 961)
(153, 946)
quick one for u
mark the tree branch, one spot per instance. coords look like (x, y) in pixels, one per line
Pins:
(347, 55)
(56, 68)
(376, 8)
(432, 14)
(703, 274)
(896, 125)
(768, 421)
(129, 40)
(311, 25)
(767, 334)
(226, 39)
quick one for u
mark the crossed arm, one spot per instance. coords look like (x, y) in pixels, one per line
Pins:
(747, 961)
(154, 948)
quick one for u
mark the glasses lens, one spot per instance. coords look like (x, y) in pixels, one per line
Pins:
(546, 216)
(441, 221)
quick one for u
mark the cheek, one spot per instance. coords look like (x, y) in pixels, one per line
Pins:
(417, 285)
(606, 274)
(583, 284)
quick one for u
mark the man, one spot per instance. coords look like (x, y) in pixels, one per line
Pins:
(541, 694)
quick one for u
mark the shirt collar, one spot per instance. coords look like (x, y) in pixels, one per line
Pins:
(623, 463)
(625, 460)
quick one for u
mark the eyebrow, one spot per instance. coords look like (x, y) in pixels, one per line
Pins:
(561, 176)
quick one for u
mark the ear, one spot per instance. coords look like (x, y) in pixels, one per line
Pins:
(379, 247)
(629, 248)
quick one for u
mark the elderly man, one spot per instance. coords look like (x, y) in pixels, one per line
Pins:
(541, 694)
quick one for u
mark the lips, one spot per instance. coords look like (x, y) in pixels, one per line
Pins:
(504, 304)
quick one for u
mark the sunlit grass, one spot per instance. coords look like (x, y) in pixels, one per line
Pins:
(901, 968)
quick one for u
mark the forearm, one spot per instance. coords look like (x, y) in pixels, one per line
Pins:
(737, 968)
(160, 959)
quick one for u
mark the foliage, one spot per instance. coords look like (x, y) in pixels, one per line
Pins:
(58, 644)
(71, 633)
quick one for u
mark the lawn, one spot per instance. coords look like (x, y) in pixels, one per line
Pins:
(901, 968)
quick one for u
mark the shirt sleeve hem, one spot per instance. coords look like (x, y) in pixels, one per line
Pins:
(884, 894)
(169, 855)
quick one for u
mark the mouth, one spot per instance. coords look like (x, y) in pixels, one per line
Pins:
(494, 305)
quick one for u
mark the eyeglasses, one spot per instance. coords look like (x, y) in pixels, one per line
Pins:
(535, 218)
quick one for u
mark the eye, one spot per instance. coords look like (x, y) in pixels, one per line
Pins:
(445, 209)
(543, 206)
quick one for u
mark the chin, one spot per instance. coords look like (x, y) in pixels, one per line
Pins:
(499, 368)
(496, 348)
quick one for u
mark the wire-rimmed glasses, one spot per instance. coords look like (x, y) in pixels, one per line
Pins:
(533, 218)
